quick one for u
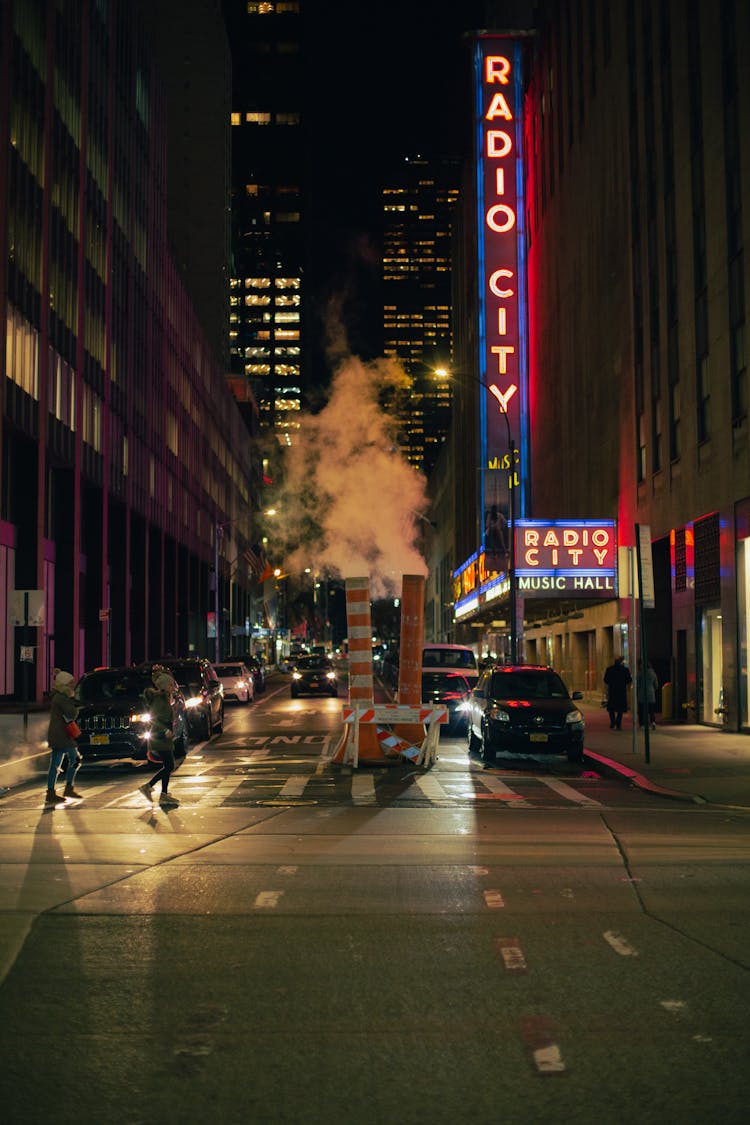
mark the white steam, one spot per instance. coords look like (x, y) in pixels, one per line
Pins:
(350, 502)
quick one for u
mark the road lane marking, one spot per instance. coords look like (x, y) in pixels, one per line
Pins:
(512, 954)
(569, 792)
(493, 900)
(295, 786)
(538, 1035)
(504, 792)
(267, 900)
(288, 870)
(620, 944)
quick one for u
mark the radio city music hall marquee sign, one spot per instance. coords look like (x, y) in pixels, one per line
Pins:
(574, 558)
(501, 258)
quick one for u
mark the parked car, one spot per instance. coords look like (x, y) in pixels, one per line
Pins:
(237, 681)
(114, 717)
(313, 675)
(204, 695)
(256, 666)
(456, 658)
(524, 709)
(452, 690)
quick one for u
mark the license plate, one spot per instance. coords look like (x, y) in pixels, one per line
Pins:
(313, 683)
(99, 739)
(537, 738)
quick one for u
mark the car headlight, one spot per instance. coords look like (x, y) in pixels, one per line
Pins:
(497, 714)
(330, 675)
(193, 701)
(296, 676)
(574, 717)
(240, 684)
(141, 717)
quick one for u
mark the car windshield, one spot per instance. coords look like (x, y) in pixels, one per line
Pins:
(448, 658)
(126, 684)
(312, 663)
(527, 685)
(187, 675)
(443, 681)
(229, 669)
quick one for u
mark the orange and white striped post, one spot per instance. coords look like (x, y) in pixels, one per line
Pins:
(361, 687)
(410, 657)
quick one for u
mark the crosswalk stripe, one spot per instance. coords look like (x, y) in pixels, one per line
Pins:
(503, 791)
(568, 792)
(295, 786)
(363, 789)
(431, 788)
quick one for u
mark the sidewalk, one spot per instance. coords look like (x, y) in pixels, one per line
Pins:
(688, 762)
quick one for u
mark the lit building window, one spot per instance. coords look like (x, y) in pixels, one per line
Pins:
(257, 299)
(286, 318)
(258, 117)
(286, 334)
(287, 118)
(287, 283)
(287, 216)
(257, 282)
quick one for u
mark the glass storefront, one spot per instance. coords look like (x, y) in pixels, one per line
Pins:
(712, 666)
(743, 623)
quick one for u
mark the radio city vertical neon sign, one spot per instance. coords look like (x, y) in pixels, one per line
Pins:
(502, 265)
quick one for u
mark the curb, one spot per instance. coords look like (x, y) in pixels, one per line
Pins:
(640, 781)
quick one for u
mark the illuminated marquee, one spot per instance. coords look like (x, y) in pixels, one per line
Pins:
(502, 282)
(574, 558)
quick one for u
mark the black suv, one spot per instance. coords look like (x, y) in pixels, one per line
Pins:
(522, 709)
(204, 695)
(114, 717)
(313, 675)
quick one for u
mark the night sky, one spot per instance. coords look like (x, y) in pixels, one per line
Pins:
(388, 81)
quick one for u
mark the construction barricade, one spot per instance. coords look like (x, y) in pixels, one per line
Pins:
(382, 717)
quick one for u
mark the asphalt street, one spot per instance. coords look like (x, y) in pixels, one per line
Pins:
(295, 943)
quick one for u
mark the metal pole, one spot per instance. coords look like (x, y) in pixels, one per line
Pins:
(25, 665)
(642, 622)
(216, 590)
(512, 551)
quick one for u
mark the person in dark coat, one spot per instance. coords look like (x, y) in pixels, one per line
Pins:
(161, 743)
(63, 710)
(617, 678)
(647, 696)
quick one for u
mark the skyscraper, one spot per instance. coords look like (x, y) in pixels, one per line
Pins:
(418, 206)
(266, 285)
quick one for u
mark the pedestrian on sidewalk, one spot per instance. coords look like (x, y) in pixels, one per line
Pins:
(617, 679)
(647, 696)
(63, 711)
(161, 744)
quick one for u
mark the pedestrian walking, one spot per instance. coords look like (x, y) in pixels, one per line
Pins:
(161, 743)
(61, 736)
(647, 696)
(617, 678)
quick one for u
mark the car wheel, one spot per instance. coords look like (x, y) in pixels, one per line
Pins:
(473, 741)
(204, 729)
(220, 725)
(334, 693)
(248, 698)
(487, 754)
(294, 693)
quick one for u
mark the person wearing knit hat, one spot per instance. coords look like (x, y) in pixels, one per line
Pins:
(63, 711)
(161, 743)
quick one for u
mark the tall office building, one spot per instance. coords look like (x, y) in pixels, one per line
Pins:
(123, 452)
(266, 283)
(418, 209)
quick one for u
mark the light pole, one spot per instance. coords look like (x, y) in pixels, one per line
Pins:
(443, 373)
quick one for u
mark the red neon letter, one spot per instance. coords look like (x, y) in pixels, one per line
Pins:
(498, 107)
(499, 143)
(494, 280)
(496, 69)
(501, 225)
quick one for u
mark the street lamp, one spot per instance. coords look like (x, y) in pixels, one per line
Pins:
(443, 373)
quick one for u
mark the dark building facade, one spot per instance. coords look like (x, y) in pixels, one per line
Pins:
(419, 199)
(268, 250)
(123, 450)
